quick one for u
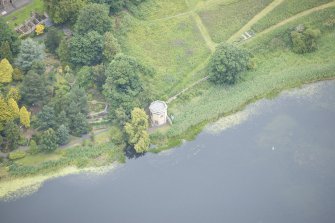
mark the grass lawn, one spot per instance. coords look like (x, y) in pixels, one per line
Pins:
(277, 68)
(34, 160)
(18, 17)
(227, 17)
(156, 9)
(172, 47)
(285, 10)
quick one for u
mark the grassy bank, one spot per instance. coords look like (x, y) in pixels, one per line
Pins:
(277, 69)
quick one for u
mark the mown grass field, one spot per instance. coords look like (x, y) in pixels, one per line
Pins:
(18, 17)
(285, 10)
(224, 19)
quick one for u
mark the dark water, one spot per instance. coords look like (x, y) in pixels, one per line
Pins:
(277, 166)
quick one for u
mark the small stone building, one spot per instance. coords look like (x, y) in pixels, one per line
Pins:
(158, 113)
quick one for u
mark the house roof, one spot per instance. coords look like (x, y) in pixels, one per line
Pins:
(158, 107)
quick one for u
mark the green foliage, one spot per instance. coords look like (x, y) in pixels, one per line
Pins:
(63, 135)
(305, 41)
(24, 117)
(30, 51)
(17, 155)
(6, 52)
(38, 66)
(33, 89)
(9, 42)
(6, 113)
(63, 51)
(85, 78)
(11, 136)
(117, 5)
(14, 93)
(33, 148)
(99, 77)
(93, 17)
(116, 136)
(86, 49)
(78, 124)
(14, 108)
(137, 132)
(227, 64)
(111, 47)
(125, 87)
(48, 141)
(53, 39)
(17, 74)
(6, 71)
(62, 11)
(46, 118)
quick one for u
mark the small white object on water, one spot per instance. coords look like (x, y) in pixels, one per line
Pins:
(273, 148)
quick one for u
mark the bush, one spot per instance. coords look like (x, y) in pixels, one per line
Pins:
(304, 40)
(17, 155)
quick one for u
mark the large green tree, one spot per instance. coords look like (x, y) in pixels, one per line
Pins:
(6, 71)
(62, 135)
(62, 11)
(111, 47)
(12, 136)
(125, 85)
(9, 42)
(53, 39)
(48, 141)
(227, 64)
(46, 118)
(30, 51)
(86, 49)
(137, 130)
(93, 17)
(33, 89)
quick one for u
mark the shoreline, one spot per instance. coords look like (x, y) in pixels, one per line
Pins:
(16, 187)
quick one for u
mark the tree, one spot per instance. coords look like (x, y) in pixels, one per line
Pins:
(30, 51)
(62, 135)
(86, 49)
(227, 64)
(137, 132)
(39, 29)
(305, 40)
(17, 75)
(6, 71)
(14, 108)
(33, 149)
(9, 41)
(38, 66)
(63, 51)
(78, 124)
(99, 77)
(62, 119)
(93, 17)
(111, 47)
(62, 11)
(6, 114)
(125, 85)
(48, 141)
(14, 93)
(12, 136)
(6, 51)
(53, 39)
(33, 89)
(24, 117)
(46, 118)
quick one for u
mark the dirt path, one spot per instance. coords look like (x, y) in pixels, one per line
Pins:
(297, 16)
(255, 19)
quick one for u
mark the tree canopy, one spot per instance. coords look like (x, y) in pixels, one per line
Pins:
(137, 132)
(62, 11)
(30, 51)
(305, 40)
(9, 42)
(227, 63)
(93, 17)
(86, 49)
(6, 71)
(125, 87)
